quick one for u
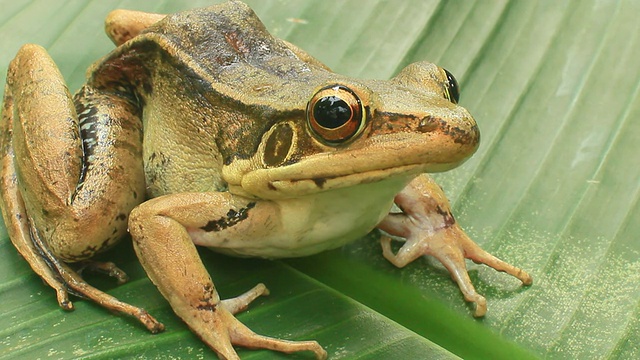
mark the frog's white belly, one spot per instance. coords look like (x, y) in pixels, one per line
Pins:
(311, 224)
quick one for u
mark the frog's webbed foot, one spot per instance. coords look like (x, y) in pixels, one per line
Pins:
(430, 229)
(451, 247)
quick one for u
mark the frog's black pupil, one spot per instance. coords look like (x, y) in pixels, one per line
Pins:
(454, 90)
(331, 112)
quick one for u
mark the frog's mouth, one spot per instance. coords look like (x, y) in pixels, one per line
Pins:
(393, 156)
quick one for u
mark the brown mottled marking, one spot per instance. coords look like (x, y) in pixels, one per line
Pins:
(208, 302)
(390, 123)
(447, 216)
(237, 43)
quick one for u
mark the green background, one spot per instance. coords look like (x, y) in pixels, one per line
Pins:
(554, 189)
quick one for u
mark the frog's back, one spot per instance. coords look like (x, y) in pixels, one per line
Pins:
(229, 47)
(217, 36)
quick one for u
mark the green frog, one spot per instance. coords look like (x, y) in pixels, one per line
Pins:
(201, 128)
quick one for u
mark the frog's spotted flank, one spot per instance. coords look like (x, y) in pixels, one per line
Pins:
(232, 218)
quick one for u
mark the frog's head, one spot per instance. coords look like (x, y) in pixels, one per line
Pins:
(358, 131)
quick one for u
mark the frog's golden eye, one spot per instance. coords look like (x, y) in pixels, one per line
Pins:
(452, 89)
(335, 114)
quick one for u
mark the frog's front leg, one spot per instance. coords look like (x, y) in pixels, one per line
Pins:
(66, 185)
(164, 230)
(429, 228)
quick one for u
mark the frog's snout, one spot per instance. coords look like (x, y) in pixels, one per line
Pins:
(458, 135)
(462, 130)
(443, 138)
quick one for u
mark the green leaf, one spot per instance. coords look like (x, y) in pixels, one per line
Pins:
(554, 189)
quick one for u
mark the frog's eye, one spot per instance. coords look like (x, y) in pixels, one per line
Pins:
(452, 89)
(335, 114)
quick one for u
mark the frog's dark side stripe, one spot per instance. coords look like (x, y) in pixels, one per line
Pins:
(389, 123)
(96, 116)
(232, 218)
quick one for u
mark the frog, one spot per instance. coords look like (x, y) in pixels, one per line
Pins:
(202, 129)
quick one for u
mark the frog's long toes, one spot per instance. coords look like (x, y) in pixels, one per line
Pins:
(481, 307)
(240, 303)
(105, 267)
(252, 340)
(153, 325)
(63, 300)
(526, 279)
(118, 274)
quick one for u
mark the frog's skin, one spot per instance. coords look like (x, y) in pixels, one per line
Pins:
(226, 130)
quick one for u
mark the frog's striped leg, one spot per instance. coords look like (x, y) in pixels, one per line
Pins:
(430, 229)
(66, 191)
(163, 229)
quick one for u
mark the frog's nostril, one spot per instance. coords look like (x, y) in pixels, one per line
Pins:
(427, 124)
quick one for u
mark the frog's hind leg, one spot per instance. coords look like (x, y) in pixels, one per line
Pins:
(65, 194)
(15, 216)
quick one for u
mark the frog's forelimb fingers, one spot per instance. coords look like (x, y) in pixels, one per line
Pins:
(429, 228)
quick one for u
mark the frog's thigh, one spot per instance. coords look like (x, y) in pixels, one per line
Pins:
(33, 74)
(14, 213)
(160, 233)
(77, 198)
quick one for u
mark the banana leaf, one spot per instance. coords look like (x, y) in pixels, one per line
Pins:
(554, 189)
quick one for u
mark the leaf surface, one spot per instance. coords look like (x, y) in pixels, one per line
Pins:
(554, 189)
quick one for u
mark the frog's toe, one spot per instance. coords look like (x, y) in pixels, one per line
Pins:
(63, 299)
(243, 336)
(252, 340)
(480, 256)
(222, 331)
(240, 303)
(104, 267)
(481, 307)
(236, 333)
(451, 245)
(451, 254)
(79, 287)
